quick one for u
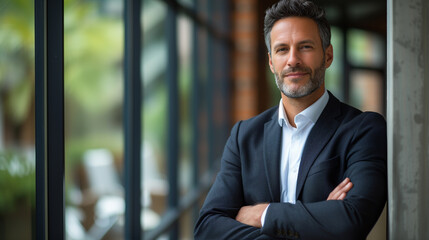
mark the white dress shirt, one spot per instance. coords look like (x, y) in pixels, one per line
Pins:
(293, 141)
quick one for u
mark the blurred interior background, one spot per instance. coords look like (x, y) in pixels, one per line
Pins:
(222, 77)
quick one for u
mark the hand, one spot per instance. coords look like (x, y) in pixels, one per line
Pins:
(340, 192)
(251, 215)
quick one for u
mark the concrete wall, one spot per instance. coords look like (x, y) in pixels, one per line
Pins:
(408, 118)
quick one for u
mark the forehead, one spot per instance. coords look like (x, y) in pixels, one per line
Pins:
(295, 29)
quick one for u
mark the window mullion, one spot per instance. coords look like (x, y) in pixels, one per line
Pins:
(49, 47)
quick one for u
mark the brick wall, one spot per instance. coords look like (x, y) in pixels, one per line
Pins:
(250, 94)
(244, 59)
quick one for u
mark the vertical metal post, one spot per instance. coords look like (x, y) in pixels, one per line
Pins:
(49, 28)
(345, 51)
(41, 190)
(195, 110)
(173, 116)
(132, 119)
(210, 88)
(225, 70)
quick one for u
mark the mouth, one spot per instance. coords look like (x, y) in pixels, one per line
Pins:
(296, 74)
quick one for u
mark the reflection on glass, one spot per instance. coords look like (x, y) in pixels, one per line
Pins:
(17, 147)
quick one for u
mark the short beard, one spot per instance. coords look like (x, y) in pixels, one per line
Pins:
(316, 80)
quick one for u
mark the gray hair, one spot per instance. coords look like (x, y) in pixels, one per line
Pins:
(297, 8)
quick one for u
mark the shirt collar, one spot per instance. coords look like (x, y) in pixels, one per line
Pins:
(312, 113)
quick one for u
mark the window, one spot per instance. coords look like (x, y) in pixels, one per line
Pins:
(367, 75)
(17, 114)
(184, 120)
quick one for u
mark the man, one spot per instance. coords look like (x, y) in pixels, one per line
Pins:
(311, 168)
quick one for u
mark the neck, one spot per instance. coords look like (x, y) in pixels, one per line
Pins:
(294, 106)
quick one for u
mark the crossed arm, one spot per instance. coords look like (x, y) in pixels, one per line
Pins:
(225, 214)
(251, 215)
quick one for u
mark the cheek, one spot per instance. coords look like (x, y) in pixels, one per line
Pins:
(278, 63)
(314, 65)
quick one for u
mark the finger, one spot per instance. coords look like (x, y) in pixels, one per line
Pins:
(348, 187)
(342, 187)
(342, 193)
(342, 196)
(336, 194)
(343, 183)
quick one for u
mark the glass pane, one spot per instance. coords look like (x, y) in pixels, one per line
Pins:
(334, 74)
(367, 90)
(187, 3)
(17, 116)
(184, 30)
(274, 92)
(154, 67)
(93, 52)
(366, 49)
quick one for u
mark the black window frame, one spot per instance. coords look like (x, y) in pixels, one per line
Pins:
(49, 126)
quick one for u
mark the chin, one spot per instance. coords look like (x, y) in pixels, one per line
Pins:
(299, 92)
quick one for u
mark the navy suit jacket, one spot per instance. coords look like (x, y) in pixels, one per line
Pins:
(344, 142)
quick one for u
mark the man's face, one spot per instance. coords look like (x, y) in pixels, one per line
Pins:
(297, 58)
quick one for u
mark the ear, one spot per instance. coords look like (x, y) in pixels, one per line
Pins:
(270, 61)
(329, 56)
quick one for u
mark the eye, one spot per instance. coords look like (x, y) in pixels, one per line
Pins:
(306, 47)
(279, 50)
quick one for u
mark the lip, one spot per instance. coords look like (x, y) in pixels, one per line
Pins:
(296, 74)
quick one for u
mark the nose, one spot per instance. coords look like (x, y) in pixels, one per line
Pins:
(294, 58)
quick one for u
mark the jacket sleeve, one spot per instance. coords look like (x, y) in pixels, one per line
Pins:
(224, 200)
(353, 217)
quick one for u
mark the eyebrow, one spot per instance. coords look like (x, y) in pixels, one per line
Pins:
(308, 41)
(280, 45)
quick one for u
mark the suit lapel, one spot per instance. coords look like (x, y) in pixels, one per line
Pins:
(319, 136)
(272, 152)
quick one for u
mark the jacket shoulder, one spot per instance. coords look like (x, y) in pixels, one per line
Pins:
(262, 118)
(253, 128)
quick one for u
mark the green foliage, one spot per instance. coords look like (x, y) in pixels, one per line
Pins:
(93, 47)
(17, 57)
(93, 52)
(17, 181)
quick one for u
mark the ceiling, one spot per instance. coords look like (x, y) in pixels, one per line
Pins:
(363, 14)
